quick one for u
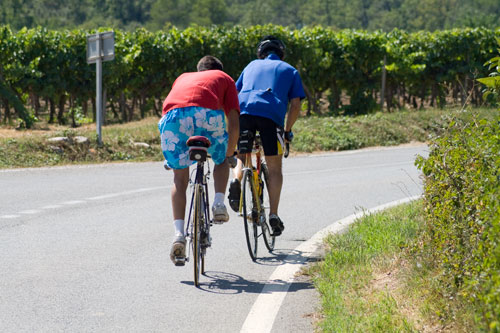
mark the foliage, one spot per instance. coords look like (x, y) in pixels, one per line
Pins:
(410, 15)
(462, 204)
(493, 81)
(45, 65)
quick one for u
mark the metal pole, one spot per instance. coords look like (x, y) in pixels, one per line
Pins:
(98, 98)
(384, 76)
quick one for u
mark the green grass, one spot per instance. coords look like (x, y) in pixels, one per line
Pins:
(29, 148)
(371, 281)
(379, 129)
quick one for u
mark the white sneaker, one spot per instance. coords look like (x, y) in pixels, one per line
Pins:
(178, 251)
(219, 212)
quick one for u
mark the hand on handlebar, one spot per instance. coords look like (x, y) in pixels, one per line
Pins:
(232, 160)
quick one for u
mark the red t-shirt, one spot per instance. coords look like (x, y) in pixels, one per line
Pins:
(211, 89)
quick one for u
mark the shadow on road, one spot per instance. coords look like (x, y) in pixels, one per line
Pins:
(228, 283)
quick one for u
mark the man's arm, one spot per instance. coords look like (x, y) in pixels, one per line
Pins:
(293, 113)
(233, 131)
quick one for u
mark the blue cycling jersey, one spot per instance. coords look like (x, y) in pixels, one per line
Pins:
(266, 85)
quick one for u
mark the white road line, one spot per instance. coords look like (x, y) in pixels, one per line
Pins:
(76, 202)
(346, 169)
(73, 202)
(30, 211)
(265, 309)
(9, 216)
(119, 194)
(51, 207)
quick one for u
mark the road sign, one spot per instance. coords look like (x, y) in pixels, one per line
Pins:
(100, 47)
(105, 41)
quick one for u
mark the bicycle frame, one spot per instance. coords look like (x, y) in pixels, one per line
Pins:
(256, 173)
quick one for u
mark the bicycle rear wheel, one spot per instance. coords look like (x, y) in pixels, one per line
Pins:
(266, 206)
(197, 221)
(250, 214)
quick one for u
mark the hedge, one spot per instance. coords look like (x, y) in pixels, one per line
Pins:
(47, 69)
(462, 204)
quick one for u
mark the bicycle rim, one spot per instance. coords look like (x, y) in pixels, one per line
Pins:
(266, 232)
(249, 215)
(197, 256)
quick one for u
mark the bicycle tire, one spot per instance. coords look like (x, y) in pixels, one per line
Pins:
(205, 230)
(250, 214)
(269, 240)
(197, 220)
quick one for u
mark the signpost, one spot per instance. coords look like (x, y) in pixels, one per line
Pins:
(100, 47)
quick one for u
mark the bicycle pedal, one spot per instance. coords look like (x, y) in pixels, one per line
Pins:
(180, 261)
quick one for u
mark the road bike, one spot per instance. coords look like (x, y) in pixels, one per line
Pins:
(254, 200)
(199, 222)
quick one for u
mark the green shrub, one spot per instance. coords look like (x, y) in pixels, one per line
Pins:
(462, 205)
(492, 82)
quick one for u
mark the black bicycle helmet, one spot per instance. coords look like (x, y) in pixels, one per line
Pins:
(270, 44)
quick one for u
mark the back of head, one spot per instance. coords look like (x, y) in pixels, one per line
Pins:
(270, 44)
(208, 63)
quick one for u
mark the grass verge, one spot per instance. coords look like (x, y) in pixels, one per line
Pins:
(371, 281)
(30, 148)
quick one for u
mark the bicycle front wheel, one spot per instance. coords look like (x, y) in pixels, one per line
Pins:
(250, 214)
(266, 205)
(197, 221)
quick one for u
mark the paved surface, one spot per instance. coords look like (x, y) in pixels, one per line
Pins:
(86, 248)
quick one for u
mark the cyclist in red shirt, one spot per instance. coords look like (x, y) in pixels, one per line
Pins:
(198, 104)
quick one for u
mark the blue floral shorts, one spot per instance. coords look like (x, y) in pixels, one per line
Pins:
(179, 124)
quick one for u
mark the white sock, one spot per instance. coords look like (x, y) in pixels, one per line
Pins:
(179, 227)
(219, 198)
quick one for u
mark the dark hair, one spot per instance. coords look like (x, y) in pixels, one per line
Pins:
(270, 44)
(209, 62)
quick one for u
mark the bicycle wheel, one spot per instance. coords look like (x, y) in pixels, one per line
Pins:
(197, 222)
(250, 214)
(266, 206)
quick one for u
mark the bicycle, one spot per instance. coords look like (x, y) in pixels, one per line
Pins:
(199, 222)
(254, 200)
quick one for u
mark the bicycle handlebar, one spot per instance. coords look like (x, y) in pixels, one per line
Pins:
(287, 149)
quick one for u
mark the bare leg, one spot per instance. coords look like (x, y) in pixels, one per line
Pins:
(221, 174)
(238, 170)
(181, 180)
(274, 164)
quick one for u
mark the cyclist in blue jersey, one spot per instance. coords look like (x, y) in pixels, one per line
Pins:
(268, 87)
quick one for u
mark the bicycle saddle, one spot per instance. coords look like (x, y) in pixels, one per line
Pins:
(198, 141)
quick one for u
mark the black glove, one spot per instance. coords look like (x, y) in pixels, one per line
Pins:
(289, 136)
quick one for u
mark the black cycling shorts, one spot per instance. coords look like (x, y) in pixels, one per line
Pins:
(271, 134)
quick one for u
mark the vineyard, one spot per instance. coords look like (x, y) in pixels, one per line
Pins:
(44, 72)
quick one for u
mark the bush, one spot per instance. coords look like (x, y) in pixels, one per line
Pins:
(462, 205)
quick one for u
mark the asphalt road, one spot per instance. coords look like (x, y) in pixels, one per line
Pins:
(86, 248)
